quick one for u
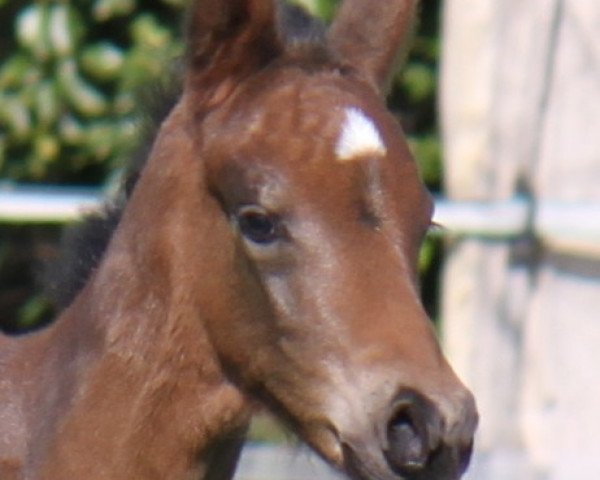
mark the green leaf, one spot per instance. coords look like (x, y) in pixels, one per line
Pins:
(46, 149)
(3, 145)
(32, 30)
(46, 106)
(65, 30)
(107, 9)
(427, 254)
(15, 71)
(81, 95)
(33, 311)
(419, 81)
(15, 116)
(148, 32)
(427, 151)
(103, 60)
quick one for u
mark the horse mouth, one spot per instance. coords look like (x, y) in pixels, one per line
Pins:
(443, 463)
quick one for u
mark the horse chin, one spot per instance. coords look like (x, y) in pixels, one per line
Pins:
(366, 464)
(358, 463)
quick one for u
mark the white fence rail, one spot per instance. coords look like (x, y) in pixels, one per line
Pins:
(45, 204)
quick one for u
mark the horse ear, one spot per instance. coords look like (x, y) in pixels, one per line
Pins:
(227, 40)
(372, 36)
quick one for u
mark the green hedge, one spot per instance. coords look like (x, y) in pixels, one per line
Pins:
(71, 68)
(67, 104)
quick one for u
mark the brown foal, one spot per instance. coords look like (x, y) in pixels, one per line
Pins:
(267, 256)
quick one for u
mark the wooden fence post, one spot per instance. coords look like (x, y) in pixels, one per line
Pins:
(521, 115)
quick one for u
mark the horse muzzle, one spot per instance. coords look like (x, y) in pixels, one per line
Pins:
(418, 439)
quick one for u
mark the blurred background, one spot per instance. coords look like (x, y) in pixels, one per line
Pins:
(71, 114)
(501, 102)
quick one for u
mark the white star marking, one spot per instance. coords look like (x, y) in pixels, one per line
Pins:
(359, 137)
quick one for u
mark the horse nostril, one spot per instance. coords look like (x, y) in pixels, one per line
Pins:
(419, 444)
(407, 437)
(407, 449)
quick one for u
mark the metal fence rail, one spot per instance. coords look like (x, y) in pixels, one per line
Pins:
(46, 204)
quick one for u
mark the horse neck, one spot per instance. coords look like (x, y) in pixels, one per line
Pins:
(137, 387)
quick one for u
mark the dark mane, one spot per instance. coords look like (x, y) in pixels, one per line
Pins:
(84, 243)
(300, 28)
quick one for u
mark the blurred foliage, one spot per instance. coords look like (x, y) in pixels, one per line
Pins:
(321, 8)
(67, 103)
(69, 72)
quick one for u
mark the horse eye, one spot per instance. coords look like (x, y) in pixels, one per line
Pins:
(258, 225)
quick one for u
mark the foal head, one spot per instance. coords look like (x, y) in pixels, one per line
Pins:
(316, 216)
